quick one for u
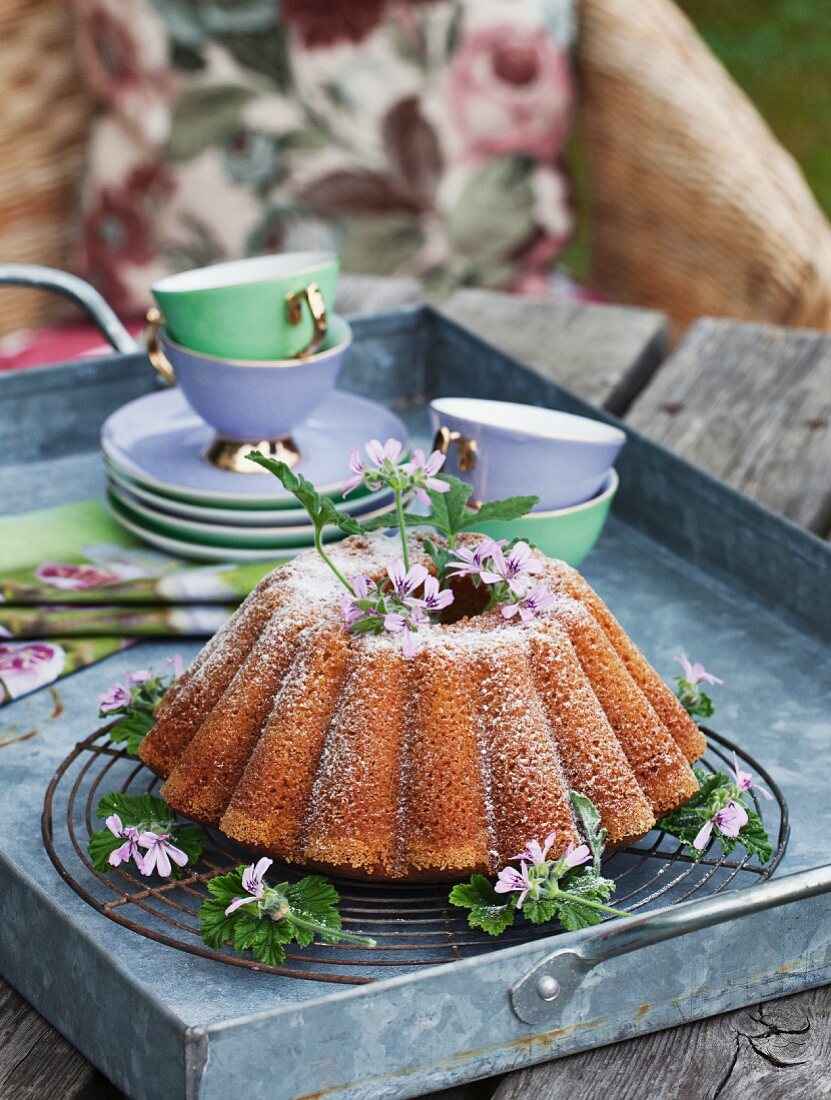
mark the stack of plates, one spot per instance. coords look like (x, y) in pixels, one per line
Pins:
(161, 488)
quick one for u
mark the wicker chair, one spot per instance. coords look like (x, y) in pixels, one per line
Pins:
(694, 207)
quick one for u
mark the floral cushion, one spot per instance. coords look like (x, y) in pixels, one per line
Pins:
(417, 137)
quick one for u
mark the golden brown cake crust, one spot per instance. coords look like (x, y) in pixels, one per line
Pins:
(333, 751)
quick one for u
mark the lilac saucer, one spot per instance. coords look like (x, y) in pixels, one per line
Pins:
(159, 441)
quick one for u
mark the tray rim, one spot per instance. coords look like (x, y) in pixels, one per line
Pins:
(774, 529)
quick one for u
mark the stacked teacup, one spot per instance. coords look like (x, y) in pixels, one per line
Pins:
(505, 449)
(254, 348)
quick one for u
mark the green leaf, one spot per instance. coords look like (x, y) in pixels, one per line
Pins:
(132, 729)
(205, 116)
(321, 510)
(101, 845)
(215, 928)
(135, 809)
(539, 911)
(488, 910)
(447, 510)
(754, 837)
(588, 817)
(302, 909)
(389, 519)
(144, 811)
(505, 511)
(314, 897)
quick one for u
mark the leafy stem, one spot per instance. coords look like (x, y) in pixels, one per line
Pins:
(402, 527)
(319, 547)
(329, 933)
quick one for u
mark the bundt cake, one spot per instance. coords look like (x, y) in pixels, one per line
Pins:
(334, 751)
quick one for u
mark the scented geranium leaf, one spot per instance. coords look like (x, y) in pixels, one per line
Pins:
(573, 916)
(588, 816)
(488, 910)
(448, 510)
(754, 837)
(321, 510)
(135, 809)
(101, 845)
(314, 899)
(539, 911)
(132, 729)
(510, 508)
(215, 928)
(267, 947)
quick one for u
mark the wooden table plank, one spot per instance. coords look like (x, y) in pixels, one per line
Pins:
(604, 354)
(35, 1061)
(751, 404)
(780, 1050)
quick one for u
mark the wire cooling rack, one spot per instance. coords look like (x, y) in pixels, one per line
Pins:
(413, 925)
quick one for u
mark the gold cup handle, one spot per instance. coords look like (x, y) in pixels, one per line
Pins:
(313, 298)
(155, 354)
(468, 448)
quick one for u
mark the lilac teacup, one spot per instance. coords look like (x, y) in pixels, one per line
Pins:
(249, 402)
(505, 449)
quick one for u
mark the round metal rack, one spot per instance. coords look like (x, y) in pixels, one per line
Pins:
(413, 925)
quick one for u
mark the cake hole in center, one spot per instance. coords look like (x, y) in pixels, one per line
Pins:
(468, 600)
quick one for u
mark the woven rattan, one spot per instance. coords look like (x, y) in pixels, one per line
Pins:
(414, 926)
(695, 207)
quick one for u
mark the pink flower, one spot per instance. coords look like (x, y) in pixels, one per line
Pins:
(114, 698)
(27, 666)
(744, 780)
(574, 857)
(406, 581)
(515, 570)
(140, 676)
(730, 820)
(74, 578)
(435, 599)
(511, 881)
(384, 455)
(695, 673)
(538, 599)
(349, 608)
(129, 850)
(160, 851)
(537, 853)
(252, 881)
(394, 623)
(509, 90)
(470, 563)
(422, 471)
(176, 665)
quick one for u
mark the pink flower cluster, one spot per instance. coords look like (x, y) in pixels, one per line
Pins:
(535, 868)
(418, 474)
(118, 697)
(158, 853)
(510, 576)
(731, 818)
(391, 606)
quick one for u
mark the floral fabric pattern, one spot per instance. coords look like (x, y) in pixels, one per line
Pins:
(417, 137)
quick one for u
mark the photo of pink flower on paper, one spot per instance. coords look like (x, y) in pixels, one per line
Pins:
(27, 666)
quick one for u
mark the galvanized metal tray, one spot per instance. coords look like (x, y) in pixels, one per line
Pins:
(686, 564)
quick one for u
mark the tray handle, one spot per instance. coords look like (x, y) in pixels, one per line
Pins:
(78, 291)
(543, 990)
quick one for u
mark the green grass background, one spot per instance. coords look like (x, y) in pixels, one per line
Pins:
(779, 51)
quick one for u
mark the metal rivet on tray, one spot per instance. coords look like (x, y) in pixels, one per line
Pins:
(548, 988)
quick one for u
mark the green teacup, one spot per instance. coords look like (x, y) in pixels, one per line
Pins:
(565, 533)
(269, 307)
